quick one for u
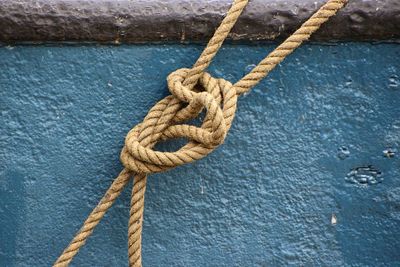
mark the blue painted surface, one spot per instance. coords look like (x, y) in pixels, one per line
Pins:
(264, 198)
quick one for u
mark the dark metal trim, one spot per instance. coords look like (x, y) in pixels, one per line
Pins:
(137, 21)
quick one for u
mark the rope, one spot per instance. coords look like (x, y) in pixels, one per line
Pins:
(192, 91)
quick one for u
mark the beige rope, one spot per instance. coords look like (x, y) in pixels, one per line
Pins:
(166, 121)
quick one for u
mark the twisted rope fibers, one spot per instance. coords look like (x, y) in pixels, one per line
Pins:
(192, 91)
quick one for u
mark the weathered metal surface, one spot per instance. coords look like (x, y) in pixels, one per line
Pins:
(184, 20)
(305, 177)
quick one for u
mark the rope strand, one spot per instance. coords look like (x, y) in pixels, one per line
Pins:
(288, 46)
(215, 43)
(166, 120)
(136, 221)
(94, 218)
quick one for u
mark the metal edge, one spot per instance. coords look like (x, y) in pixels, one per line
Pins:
(140, 21)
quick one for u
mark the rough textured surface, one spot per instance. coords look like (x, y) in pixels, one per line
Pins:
(309, 174)
(138, 21)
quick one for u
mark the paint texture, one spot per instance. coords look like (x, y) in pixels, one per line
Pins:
(308, 175)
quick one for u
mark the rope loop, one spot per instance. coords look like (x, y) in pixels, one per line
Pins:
(167, 120)
(192, 92)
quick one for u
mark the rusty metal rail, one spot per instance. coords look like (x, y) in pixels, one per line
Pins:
(124, 21)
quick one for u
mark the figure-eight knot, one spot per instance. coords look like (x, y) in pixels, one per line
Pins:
(166, 121)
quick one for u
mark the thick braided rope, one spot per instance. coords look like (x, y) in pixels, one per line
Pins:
(289, 45)
(94, 218)
(135, 221)
(166, 121)
(215, 42)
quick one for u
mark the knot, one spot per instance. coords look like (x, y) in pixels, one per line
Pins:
(168, 119)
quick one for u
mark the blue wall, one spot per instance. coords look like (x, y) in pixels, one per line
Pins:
(307, 144)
